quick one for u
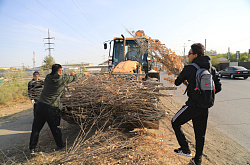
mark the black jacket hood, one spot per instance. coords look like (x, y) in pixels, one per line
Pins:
(203, 62)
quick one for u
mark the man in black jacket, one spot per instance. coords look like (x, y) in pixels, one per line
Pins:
(35, 87)
(191, 111)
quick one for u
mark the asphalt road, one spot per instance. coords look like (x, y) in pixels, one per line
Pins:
(231, 112)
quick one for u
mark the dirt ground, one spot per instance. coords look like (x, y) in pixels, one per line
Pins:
(219, 149)
(13, 107)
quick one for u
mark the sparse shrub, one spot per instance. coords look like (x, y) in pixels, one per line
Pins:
(13, 91)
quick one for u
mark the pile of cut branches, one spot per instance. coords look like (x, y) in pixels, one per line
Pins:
(118, 98)
(171, 62)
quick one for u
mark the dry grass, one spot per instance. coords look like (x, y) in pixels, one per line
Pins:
(140, 146)
(10, 107)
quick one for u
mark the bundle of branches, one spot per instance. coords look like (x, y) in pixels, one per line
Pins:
(114, 97)
(172, 63)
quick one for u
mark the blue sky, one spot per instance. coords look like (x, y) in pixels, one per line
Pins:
(81, 26)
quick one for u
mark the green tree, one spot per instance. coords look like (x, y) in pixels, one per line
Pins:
(233, 57)
(222, 55)
(48, 62)
(244, 57)
(215, 61)
(84, 69)
(25, 68)
(13, 69)
(211, 52)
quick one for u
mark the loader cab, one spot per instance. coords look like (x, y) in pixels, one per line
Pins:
(132, 52)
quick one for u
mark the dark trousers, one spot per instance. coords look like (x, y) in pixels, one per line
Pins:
(34, 108)
(199, 118)
(51, 115)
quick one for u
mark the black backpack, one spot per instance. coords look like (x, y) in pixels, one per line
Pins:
(204, 93)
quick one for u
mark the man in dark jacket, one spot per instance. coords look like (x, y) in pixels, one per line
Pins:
(191, 111)
(35, 87)
(47, 109)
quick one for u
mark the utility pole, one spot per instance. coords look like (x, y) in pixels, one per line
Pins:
(34, 61)
(49, 43)
(228, 54)
(205, 47)
(185, 58)
(22, 73)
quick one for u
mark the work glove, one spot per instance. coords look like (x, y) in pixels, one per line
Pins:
(33, 102)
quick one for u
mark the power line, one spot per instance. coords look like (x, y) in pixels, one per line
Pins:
(65, 15)
(67, 24)
(86, 16)
(41, 17)
(21, 41)
(36, 14)
(22, 22)
(9, 31)
(37, 28)
(48, 22)
(75, 46)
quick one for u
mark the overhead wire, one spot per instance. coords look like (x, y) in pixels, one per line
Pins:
(77, 47)
(62, 12)
(65, 15)
(90, 20)
(68, 24)
(35, 27)
(22, 22)
(37, 14)
(79, 6)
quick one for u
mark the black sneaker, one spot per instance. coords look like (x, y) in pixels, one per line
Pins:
(179, 151)
(32, 152)
(195, 162)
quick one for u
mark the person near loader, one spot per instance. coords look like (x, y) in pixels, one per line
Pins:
(132, 54)
(191, 111)
(35, 87)
(47, 109)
